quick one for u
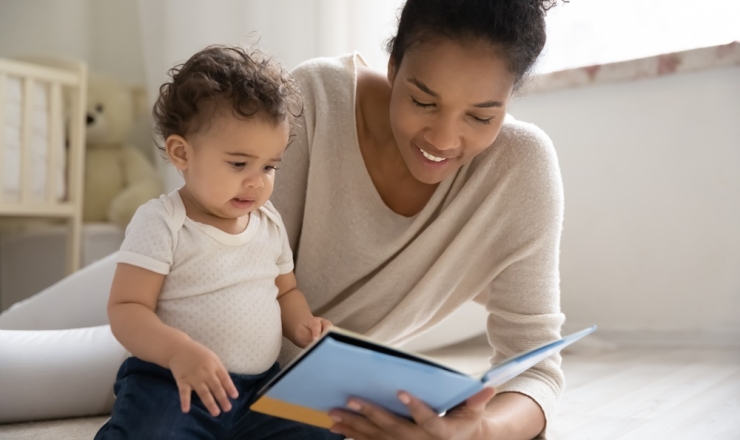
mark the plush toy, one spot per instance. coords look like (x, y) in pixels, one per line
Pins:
(118, 177)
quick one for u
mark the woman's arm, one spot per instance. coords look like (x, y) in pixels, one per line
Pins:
(513, 416)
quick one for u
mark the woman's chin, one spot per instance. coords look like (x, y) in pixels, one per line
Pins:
(429, 178)
(432, 173)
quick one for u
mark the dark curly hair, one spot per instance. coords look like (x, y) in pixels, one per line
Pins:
(515, 27)
(247, 80)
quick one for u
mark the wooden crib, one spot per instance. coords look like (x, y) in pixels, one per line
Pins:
(42, 143)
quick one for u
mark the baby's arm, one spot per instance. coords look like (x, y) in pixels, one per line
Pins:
(131, 310)
(299, 324)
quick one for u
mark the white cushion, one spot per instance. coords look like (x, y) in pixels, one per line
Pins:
(51, 368)
(57, 373)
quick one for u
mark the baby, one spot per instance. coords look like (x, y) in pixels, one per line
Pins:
(204, 289)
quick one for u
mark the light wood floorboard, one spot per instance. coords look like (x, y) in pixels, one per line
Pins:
(636, 393)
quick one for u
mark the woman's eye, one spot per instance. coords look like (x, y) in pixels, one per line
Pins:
(238, 165)
(481, 120)
(421, 104)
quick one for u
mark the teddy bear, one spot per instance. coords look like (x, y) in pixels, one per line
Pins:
(118, 177)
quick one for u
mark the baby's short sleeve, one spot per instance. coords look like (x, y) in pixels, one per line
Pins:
(285, 260)
(148, 241)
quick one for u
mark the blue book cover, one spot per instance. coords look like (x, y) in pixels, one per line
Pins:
(342, 364)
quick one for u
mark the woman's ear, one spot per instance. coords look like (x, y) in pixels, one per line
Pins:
(391, 69)
(179, 151)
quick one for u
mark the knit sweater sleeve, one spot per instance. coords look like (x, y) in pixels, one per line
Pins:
(524, 298)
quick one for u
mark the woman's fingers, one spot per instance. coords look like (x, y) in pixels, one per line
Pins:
(423, 415)
(355, 426)
(478, 401)
(372, 422)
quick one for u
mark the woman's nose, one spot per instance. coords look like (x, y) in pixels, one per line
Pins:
(443, 134)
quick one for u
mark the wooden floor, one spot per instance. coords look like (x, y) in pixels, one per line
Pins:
(631, 394)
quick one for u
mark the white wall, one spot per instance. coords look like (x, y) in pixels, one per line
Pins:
(43, 27)
(115, 40)
(292, 30)
(651, 170)
(103, 33)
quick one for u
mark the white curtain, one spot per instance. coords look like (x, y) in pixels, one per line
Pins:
(292, 30)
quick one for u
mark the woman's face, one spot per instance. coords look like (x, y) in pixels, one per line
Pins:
(448, 103)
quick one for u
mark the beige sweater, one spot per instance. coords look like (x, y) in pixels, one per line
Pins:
(491, 233)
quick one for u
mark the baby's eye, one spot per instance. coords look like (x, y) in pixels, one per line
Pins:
(421, 104)
(238, 165)
(270, 168)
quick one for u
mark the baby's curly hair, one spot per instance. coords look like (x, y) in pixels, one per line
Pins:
(217, 77)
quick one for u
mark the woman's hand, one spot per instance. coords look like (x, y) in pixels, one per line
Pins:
(466, 422)
(196, 368)
(309, 330)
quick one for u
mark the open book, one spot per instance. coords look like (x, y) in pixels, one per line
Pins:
(342, 364)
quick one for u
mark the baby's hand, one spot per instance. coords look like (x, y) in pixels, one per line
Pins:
(196, 368)
(310, 330)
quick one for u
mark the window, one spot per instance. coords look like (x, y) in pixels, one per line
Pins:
(586, 32)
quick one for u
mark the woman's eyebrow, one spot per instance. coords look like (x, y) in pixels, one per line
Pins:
(424, 88)
(489, 104)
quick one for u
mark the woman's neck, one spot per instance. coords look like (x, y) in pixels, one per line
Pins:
(398, 188)
(373, 104)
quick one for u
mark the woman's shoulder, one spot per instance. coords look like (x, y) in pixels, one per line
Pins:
(324, 73)
(522, 162)
(520, 147)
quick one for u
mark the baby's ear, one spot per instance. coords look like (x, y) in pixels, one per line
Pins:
(141, 103)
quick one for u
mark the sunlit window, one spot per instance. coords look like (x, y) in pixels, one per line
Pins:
(586, 32)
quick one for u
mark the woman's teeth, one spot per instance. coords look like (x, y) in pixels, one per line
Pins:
(430, 157)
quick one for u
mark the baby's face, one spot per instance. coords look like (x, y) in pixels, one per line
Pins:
(232, 168)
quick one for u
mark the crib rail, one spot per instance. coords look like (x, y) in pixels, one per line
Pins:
(61, 80)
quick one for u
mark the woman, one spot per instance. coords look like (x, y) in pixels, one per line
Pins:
(409, 194)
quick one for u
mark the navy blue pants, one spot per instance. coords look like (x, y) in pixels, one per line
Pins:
(147, 406)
